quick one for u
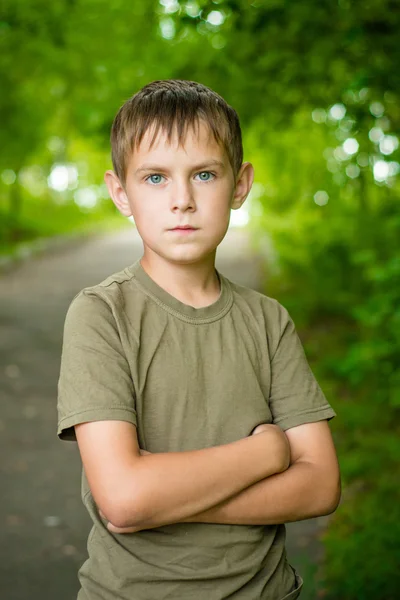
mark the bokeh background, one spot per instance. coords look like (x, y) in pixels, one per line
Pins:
(316, 85)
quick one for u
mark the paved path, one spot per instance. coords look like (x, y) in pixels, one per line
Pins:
(44, 526)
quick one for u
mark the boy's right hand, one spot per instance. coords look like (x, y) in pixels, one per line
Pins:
(277, 441)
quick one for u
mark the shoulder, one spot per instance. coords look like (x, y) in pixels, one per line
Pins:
(109, 291)
(97, 311)
(106, 297)
(257, 303)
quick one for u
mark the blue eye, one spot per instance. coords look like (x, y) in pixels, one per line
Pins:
(154, 179)
(205, 175)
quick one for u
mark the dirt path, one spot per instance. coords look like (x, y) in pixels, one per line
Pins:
(44, 526)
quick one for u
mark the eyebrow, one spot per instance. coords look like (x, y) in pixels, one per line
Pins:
(157, 168)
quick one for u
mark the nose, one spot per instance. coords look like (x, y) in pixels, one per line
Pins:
(182, 197)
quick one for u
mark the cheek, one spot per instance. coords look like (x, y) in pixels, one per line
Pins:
(145, 211)
(217, 210)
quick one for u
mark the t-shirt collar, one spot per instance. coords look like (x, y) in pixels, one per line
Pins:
(212, 312)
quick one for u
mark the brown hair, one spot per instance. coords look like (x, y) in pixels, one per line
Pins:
(174, 105)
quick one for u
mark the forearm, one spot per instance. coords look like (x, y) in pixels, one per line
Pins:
(170, 487)
(308, 488)
(301, 492)
(298, 493)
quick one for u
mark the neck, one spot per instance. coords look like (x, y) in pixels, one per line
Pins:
(195, 284)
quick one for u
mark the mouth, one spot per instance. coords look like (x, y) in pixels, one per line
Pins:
(184, 228)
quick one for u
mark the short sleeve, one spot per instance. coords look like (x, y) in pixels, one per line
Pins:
(95, 381)
(295, 396)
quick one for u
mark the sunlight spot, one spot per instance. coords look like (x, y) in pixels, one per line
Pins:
(340, 154)
(254, 199)
(350, 146)
(352, 171)
(383, 123)
(103, 191)
(328, 152)
(321, 198)
(375, 134)
(332, 165)
(350, 96)
(388, 144)
(55, 144)
(341, 135)
(62, 177)
(86, 197)
(72, 177)
(33, 178)
(192, 9)
(256, 192)
(337, 111)
(203, 28)
(8, 176)
(363, 159)
(218, 41)
(381, 170)
(240, 217)
(170, 6)
(167, 28)
(347, 124)
(377, 109)
(318, 115)
(215, 17)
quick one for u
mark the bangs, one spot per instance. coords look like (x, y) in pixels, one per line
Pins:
(175, 129)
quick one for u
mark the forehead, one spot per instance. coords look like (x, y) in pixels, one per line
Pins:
(197, 142)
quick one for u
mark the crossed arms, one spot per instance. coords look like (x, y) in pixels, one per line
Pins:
(266, 478)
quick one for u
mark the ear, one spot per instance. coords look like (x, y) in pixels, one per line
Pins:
(244, 181)
(117, 193)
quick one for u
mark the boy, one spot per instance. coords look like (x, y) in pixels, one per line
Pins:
(178, 384)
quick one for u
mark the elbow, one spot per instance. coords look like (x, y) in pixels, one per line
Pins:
(122, 516)
(331, 498)
(335, 497)
(124, 510)
(114, 515)
(130, 513)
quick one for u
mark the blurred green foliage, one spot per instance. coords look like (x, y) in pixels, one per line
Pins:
(317, 87)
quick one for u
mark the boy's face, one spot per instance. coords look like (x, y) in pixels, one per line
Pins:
(169, 186)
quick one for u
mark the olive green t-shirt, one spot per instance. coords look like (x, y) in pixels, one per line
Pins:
(188, 378)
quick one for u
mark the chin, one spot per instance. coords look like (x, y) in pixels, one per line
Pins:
(187, 258)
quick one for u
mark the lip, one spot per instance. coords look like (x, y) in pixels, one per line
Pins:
(183, 231)
(184, 228)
